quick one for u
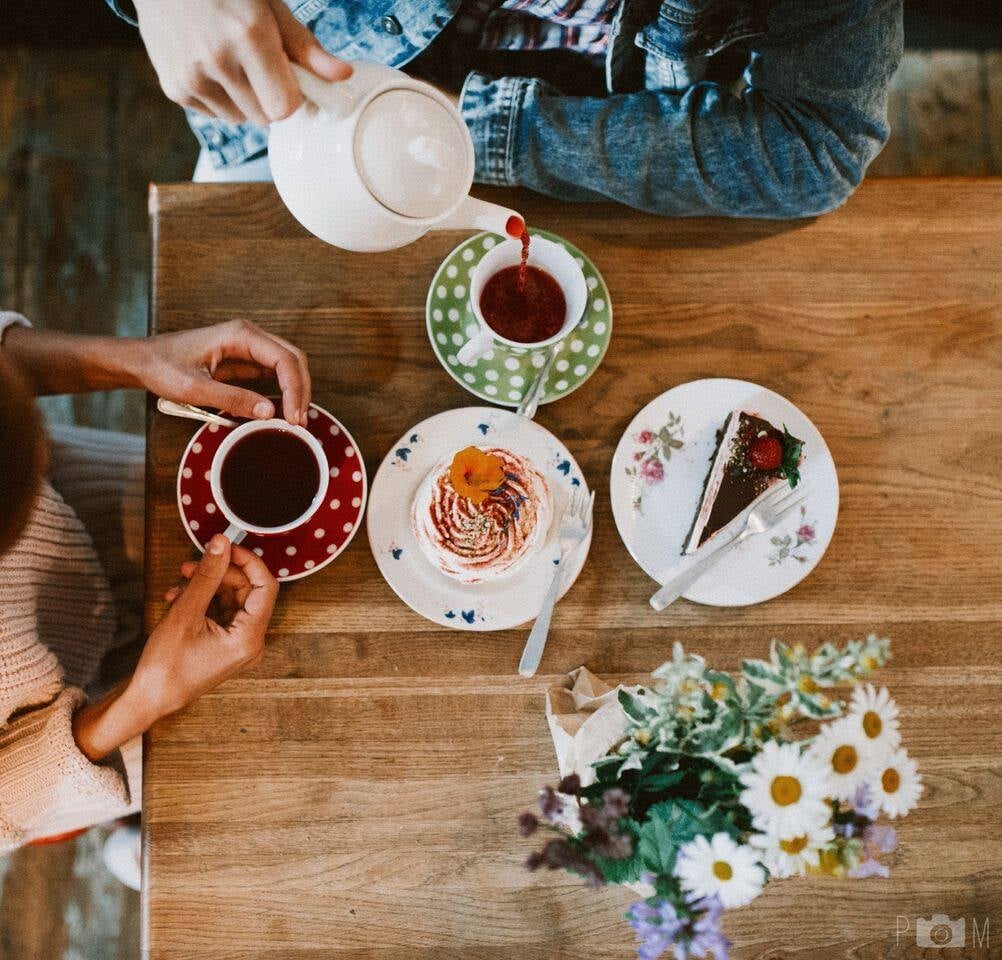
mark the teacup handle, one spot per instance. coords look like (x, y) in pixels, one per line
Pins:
(234, 534)
(474, 348)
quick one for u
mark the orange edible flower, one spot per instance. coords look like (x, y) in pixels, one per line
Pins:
(475, 474)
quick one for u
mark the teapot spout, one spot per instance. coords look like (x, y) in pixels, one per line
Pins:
(473, 214)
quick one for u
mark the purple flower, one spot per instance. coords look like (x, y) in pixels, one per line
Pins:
(614, 803)
(660, 928)
(571, 784)
(527, 824)
(862, 804)
(656, 925)
(707, 939)
(880, 838)
(550, 805)
(868, 868)
(652, 470)
(645, 436)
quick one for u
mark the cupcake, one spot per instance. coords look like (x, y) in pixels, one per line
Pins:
(481, 514)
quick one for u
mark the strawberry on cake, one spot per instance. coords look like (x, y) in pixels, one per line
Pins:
(750, 458)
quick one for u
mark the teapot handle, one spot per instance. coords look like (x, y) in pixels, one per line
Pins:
(337, 98)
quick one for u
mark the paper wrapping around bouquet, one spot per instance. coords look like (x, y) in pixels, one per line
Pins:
(586, 721)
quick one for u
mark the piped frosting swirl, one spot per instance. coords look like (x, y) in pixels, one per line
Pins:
(476, 542)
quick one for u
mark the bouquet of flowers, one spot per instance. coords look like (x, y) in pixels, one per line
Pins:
(721, 783)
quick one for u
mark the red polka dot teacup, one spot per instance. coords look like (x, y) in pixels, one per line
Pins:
(268, 477)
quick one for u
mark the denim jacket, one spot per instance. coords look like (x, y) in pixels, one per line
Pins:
(792, 137)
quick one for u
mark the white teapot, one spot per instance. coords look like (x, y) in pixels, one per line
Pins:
(375, 161)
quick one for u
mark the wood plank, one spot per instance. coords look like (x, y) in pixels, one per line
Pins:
(354, 794)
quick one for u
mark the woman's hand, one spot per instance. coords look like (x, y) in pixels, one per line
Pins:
(232, 58)
(194, 366)
(215, 627)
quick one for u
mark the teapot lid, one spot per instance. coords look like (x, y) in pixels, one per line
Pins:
(413, 153)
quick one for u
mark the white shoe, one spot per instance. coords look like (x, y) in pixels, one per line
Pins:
(257, 170)
(123, 856)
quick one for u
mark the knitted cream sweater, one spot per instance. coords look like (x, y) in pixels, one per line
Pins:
(57, 620)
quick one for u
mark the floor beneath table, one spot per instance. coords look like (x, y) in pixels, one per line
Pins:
(81, 135)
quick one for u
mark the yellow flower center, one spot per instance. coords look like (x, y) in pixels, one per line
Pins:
(870, 663)
(793, 846)
(844, 759)
(807, 685)
(872, 724)
(785, 790)
(890, 780)
(722, 870)
(718, 691)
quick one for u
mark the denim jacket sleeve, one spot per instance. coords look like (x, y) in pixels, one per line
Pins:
(125, 9)
(796, 142)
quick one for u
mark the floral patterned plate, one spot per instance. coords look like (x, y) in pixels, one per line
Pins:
(502, 375)
(299, 552)
(496, 605)
(657, 479)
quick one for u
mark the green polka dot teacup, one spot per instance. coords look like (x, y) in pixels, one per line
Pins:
(504, 373)
(544, 255)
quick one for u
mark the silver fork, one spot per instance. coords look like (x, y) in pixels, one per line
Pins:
(530, 402)
(763, 517)
(575, 523)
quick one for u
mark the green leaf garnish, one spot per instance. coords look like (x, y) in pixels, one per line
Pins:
(789, 467)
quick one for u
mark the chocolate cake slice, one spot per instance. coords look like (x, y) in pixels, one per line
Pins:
(751, 457)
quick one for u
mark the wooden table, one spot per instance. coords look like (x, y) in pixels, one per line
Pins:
(354, 796)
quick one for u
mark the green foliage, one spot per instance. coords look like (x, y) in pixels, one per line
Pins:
(790, 465)
(691, 734)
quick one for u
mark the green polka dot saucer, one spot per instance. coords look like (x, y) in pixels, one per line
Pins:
(503, 374)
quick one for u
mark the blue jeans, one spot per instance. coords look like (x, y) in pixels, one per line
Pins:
(789, 133)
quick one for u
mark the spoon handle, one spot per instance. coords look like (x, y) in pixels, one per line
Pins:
(190, 412)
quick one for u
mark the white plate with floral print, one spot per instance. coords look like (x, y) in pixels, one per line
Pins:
(658, 472)
(494, 605)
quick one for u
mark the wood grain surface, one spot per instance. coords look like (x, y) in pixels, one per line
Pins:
(355, 794)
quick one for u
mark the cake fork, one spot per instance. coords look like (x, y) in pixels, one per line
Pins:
(575, 525)
(762, 517)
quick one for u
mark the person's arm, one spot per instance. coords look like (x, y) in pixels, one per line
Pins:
(230, 59)
(192, 366)
(190, 651)
(52, 771)
(795, 143)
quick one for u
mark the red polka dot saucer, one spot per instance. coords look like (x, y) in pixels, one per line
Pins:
(309, 547)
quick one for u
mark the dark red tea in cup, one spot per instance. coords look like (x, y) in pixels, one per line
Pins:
(524, 304)
(270, 478)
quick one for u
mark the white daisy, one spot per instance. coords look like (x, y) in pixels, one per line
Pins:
(896, 784)
(792, 856)
(785, 791)
(841, 749)
(720, 867)
(875, 716)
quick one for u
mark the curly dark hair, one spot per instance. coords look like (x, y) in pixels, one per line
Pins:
(22, 453)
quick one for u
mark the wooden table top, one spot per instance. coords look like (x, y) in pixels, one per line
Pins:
(355, 794)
